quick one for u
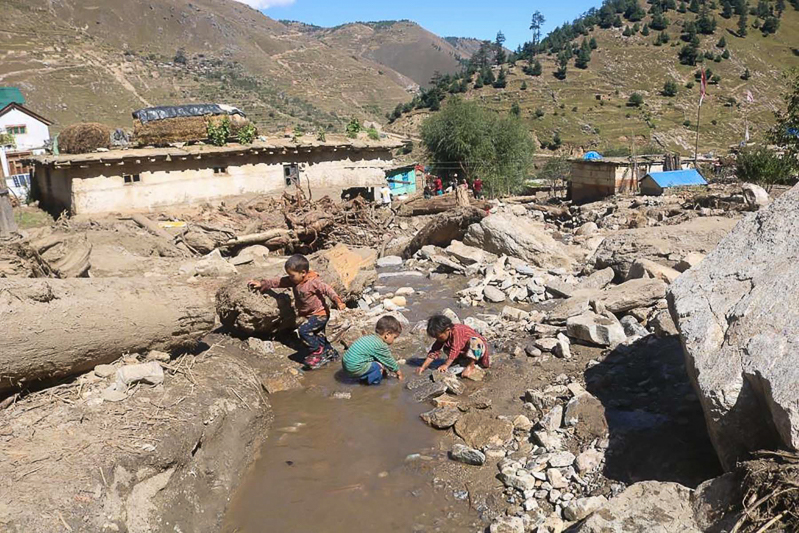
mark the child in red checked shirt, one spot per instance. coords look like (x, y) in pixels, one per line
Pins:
(458, 341)
(310, 294)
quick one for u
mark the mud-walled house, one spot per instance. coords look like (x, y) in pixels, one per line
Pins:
(594, 179)
(150, 178)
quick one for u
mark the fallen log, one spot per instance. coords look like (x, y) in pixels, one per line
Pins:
(55, 328)
(161, 233)
(260, 238)
(434, 205)
(445, 228)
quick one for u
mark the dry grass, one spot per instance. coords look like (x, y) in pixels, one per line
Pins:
(184, 129)
(84, 138)
(771, 493)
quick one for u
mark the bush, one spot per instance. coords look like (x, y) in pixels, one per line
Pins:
(516, 110)
(670, 88)
(635, 100)
(320, 135)
(539, 113)
(218, 133)
(746, 75)
(247, 133)
(763, 166)
(373, 134)
(180, 57)
(687, 123)
(353, 128)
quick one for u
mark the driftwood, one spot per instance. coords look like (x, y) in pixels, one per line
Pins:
(56, 328)
(434, 205)
(153, 228)
(445, 228)
(259, 238)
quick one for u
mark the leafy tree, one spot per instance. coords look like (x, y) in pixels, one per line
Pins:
(770, 25)
(785, 132)
(218, 133)
(497, 149)
(742, 24)
(535, 25)
(247, 133)
(670, 88)
(353, 128)
(373, 134)
(635, 100)
(763, 166)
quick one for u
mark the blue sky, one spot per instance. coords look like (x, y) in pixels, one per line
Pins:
(464, 18)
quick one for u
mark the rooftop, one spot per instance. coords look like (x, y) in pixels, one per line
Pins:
(197, 151)
(10, 95)
(677, 178)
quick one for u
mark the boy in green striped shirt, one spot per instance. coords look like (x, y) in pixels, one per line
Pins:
(369, 358)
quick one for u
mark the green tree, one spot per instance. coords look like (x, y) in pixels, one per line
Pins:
(670, 88)
(497, 149)
(537, 22)
(635, 100)
(726, 9)
(502, 80)
(645, 30)
(746, 75)
(759, 164)
(593, 44)
(725, 54)
(770, 25)
(689, 54)
(627, 32)
(583, 58)
(722, 43)
(563, 62)
(659, 22)
(705, 24)
(785, 132)
(693, 7)
(523, 86)
(743, 22)
(353, 128)
(499, 45)
(515, 109)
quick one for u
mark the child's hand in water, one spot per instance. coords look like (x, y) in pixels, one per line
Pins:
(399, 375)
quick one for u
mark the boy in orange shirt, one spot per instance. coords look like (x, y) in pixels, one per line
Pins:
(458, 341)
(310, 294)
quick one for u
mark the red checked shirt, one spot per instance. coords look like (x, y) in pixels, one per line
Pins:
(458, 344)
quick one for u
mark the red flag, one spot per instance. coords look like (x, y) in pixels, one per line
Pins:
(703, 87)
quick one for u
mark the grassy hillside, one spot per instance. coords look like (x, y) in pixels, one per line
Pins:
(588, 109)
(93, 60)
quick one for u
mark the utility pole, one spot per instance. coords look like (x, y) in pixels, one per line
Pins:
(7, 224)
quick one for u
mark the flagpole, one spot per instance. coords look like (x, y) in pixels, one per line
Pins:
(696, 148)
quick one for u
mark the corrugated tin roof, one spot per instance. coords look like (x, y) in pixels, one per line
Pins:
(11, 95)
(677, 178)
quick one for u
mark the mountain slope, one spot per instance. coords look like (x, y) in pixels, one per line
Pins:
(98, 60)
(589, 110)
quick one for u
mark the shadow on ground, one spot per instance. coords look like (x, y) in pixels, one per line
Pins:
(656, 424)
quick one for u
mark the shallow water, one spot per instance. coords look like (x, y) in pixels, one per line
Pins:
(341, 465)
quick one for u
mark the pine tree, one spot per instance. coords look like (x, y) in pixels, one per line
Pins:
(670, 88)
(593, 44)
(524, 86)
(726, 54)
(742, 25)
(583, 58)
(501, 82)
(705, 24)
(722, 43)
(645, 30)
(726, 9)
(683, 8)
(694, 6)
(563, 61)
(537, 69)
(515, 110)
(617, 23)
(746, 75)
(499, 53)
(627, 31)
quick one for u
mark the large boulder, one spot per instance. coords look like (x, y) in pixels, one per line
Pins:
(632, 294)
(348, 270)
(595, 329)
(740, 329)
(661, 244)
(645, 507)
(444, 228)
(505, 234)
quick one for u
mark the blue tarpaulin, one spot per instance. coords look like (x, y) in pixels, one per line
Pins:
(182, 111)
(677, 178)
(592, 156)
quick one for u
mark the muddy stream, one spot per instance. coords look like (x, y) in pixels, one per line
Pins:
(363, 463)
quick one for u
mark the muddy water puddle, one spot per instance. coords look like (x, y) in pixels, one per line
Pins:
(360, 463)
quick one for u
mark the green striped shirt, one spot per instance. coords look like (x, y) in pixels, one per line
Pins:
(366, 351)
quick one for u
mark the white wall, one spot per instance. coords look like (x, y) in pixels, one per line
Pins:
(37, 131)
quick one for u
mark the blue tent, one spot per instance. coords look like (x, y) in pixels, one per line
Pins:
(592, 156)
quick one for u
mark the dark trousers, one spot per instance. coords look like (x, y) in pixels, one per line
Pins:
(374, 376)
(312, 333)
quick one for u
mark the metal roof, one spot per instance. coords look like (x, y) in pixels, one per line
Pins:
(677, 178)
(11, 95)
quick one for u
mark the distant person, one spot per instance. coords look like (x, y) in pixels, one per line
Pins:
(460, 342)
(369, 358)
(310, 294)
(477, 187)
(427, 192)
(438, 186)
(464, 185)
(385, 196)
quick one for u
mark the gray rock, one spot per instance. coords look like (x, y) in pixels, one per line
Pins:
(560, 288)
(621, 249)
(150, 373)
(470, 456)
(587, 229)
(104, 371)
(738, 322)
(452, 315)
(454, 385)
(582, 507)
(546, 345)
(645, 268)
(428, 391)
(441, 417)
(689, 261)
(520, 237)
(562, 349)
(632, 328)
(755, 196)
(550, 441)
(521, 480)
(478, 325)
(556, 479)
(507, 524)
(595, 329)
(632, 294)
(598, 280)
(469, 255)
(512, 313)
(588, 461)
(663, 325)
(551, 421)
(576, 305)
(389, 261)
(645, 507)
(561, 460)
(712, 501)
(493, 294)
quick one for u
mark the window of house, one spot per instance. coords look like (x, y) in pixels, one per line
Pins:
(292, 174)
(220, 170)
(17, 130)
(131, 178)
(21, 180)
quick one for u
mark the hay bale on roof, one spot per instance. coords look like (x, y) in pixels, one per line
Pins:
(84, 138)
(182, 129)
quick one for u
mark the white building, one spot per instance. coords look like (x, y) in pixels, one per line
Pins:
(30, 132)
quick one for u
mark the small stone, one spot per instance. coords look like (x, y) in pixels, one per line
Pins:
(530, 504)
(104, 371)
(521, 480)
(546, 345)
(477, 374)
(554, 495)
(493, 294)
(389, 261)
(150, 373)
(340, 395)
(114, 394)
(445, 401)
(632, 328)
(561, 459)
(523, 423)
(452, 315)
(404, 291)
(454, 385)
(441, 417)
(429, 391)
(156, 355)
(469, 456)
(556, 479)
(552, 420)
(550, 441)
(562, 350)
(511, 313)
(589, 460)
(582, 507)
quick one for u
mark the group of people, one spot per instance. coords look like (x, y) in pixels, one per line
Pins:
(436, 187)
(369, 358)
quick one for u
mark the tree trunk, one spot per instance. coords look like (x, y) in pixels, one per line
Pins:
(444, 229)
(7, 223)
(54, 328)
(462, 197)
(433, 206)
